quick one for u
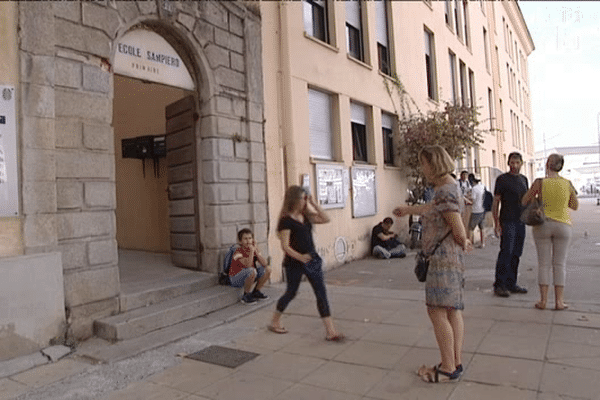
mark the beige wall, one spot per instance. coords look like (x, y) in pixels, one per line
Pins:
(142, 201)
(11, 241)
(293, 62)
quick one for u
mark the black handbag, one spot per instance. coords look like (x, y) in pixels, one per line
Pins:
(422, 265)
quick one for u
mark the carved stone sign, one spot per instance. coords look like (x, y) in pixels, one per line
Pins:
(146, 55)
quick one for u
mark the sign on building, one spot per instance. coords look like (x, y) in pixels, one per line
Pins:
(146, 55)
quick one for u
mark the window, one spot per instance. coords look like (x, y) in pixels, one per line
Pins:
(472, 87)
(448, 13)
(320, 125)
(383, 49)
(464, 92)
(358, 117)
(466, 22)
(430, 65)
(486, 50)
(452, 57)
(354, 29)
(494, 158)
(457, 19)
(387, 130)
(498, 60)
(315, 19)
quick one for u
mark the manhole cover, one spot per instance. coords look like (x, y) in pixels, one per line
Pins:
(223, 356)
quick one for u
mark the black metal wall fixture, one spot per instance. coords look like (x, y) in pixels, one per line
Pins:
(143, 148)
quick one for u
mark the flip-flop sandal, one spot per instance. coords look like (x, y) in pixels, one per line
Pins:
(337, 338)
(564, 307)
(539, 306)
(277, 329)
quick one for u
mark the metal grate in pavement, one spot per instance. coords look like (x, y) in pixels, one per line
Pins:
(224, 356)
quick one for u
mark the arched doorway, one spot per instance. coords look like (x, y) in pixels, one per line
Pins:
(154, 139)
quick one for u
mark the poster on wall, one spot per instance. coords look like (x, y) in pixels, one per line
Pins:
(330, 185)
(364, 198)
(9, 180)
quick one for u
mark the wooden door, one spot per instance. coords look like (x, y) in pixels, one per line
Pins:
(182, 183)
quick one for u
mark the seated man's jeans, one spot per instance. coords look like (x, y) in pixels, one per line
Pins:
(239, 279)
(381, 252)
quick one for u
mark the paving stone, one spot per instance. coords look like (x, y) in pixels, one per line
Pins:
(514, 346)
(354, 379)
(147, 391)
(471, 390)
(570, 381)
(371, 354)
(276, 365)
(51, 373)
(494, 370)
(407, 385)
(307, 392)
(55, 353)
(15, 365)
(238, 385)
(191, 376)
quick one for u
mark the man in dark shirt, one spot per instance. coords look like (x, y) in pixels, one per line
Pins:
(508, 191)
(384, 243)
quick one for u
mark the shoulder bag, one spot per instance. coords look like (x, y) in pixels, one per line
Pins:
(423, 260)
(533, 214)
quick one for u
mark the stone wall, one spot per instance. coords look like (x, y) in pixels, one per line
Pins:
(67, 155)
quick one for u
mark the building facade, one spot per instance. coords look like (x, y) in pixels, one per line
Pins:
(330, 121)
(134, 125)
(164, 127)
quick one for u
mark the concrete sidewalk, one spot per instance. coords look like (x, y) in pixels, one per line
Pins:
(512, 351)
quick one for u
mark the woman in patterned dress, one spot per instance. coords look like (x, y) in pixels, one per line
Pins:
(445, 282)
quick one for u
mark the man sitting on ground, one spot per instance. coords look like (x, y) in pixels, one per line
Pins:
(243, 271)
(384, 243)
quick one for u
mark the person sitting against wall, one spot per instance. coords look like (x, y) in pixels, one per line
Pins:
(385, 243)
(243, 271)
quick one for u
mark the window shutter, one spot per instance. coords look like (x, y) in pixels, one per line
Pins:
(381, 15)
(319, 125)
(358, 114)
(353, 13)
(387, 121)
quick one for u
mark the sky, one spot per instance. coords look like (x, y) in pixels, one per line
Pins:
(564, 71)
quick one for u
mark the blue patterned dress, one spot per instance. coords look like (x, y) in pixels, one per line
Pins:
(445, 277)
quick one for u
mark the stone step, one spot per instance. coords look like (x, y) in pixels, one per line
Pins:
(141, 321)
(103, 351)
(143, 294)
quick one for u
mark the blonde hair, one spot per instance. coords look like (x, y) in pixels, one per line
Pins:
(438, 158)
(556, 162)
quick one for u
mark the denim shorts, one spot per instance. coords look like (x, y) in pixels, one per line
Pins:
(238, 279)
(477, 219)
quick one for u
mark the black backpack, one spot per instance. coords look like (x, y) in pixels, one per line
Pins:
(488, 200)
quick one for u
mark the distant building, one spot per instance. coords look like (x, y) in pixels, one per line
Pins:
(582, 166)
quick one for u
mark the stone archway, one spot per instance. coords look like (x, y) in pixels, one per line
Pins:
(67, 158)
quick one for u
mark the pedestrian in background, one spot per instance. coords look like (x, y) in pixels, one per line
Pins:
(444, 287)
(478, 212)
(506, 210)
(552, 238)
(298, 213)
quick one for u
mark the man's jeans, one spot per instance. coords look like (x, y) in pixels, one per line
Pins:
(381, 252)
(511, 249)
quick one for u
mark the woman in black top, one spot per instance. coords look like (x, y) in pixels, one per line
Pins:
(294, 229)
